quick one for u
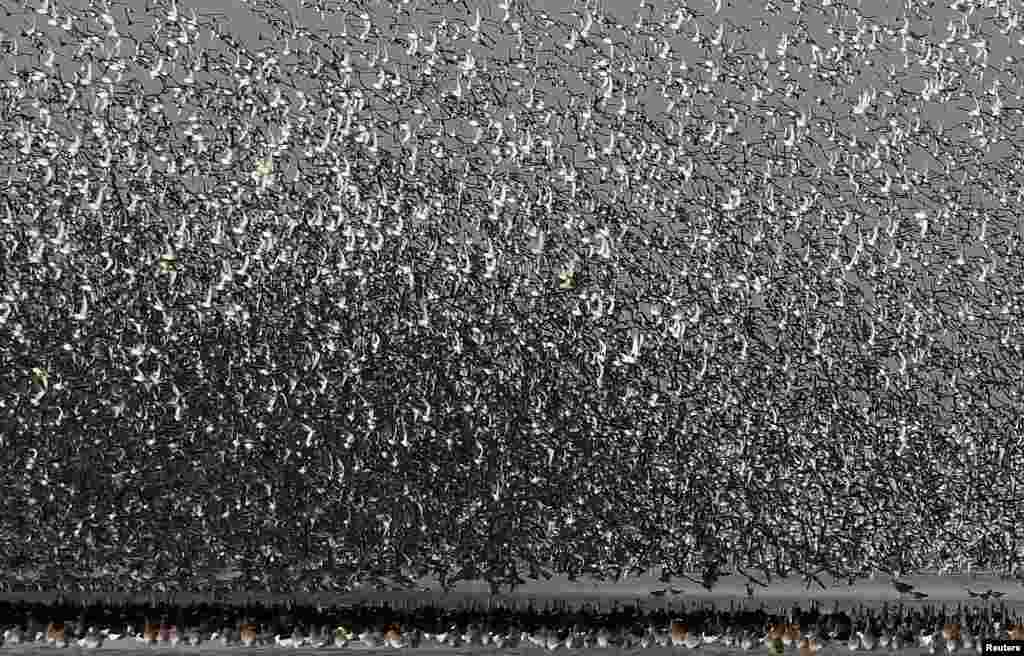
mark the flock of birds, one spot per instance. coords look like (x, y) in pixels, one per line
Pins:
(438, 268)
(801, 631)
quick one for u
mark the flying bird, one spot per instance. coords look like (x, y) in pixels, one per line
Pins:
(902, 588)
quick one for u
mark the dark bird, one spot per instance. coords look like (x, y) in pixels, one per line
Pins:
(902, 588)
(658, 593)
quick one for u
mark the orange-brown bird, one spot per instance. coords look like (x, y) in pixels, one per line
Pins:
(247, 634)
(678, 632)
(151, 633)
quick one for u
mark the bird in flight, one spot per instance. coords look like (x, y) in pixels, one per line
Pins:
(902, 588)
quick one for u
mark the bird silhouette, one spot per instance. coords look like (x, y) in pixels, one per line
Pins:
(901, 587)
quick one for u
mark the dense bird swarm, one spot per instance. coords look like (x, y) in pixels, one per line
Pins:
(486, 292)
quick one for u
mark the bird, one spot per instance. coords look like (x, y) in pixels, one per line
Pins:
(661, 638)
(678, 632)
(299, 637)
(393, 637)
(193, 637)
(535, 638)
(55, 634)
(108, 635)
(342, 636)
(14, 636)
(150, 633)
(472, 635)
(808, 646)
(370, 638)
(901, 587)
(93, 639)
(451, 637)
(790, 634)
(248, 634)
(966, 640)
(224, 638)
(326, 636)
(575, 638)
(499, 640)
(172, 636)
